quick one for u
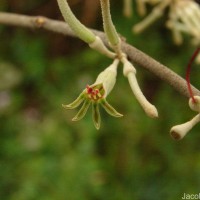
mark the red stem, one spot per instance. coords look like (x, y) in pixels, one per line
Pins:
(188, 72)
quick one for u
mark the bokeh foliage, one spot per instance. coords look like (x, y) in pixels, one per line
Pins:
(45, 156)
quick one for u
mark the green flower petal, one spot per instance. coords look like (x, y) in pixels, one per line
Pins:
(82, 111)
(109, 109)
(75, 103)
(96, 115)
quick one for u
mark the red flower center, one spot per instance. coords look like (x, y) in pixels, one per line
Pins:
(94, 93)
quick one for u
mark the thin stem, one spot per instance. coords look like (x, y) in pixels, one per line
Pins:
(188, 72)
(109, 27)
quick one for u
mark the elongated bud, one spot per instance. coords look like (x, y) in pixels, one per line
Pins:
(129, 71)
(179, 131)
(149, 109)
(108, 77)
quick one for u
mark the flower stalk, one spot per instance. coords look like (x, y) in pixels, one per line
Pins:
(82, 31)
(109, 28)
(99, 46)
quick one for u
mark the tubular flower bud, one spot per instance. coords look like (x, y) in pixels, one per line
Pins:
(129, 71)
(96, 94)
(179, 131)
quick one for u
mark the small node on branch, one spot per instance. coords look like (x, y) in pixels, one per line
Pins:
(39, 21)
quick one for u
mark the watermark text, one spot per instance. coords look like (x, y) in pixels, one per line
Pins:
(191, 196)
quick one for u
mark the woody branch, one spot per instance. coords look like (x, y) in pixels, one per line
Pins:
(136, 56)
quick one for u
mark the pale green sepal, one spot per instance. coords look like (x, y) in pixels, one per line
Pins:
(96, 115)
(109, 109)
(81, 113)
(75, 103)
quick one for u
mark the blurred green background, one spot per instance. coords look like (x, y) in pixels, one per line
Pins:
(46, 156)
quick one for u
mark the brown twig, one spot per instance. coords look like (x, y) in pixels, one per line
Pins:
(135, 55)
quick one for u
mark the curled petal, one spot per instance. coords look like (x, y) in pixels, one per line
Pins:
(75, 103)
(81, 113)
(96, 115)
(109, 109)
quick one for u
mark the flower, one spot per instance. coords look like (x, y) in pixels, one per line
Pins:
(183, 17)
(179, 131)
(156, 13)
(141, 5)
(96, 94)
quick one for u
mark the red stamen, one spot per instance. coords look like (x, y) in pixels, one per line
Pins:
(96, 91)
(89, 89)
(93, 93)
(188, 72)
